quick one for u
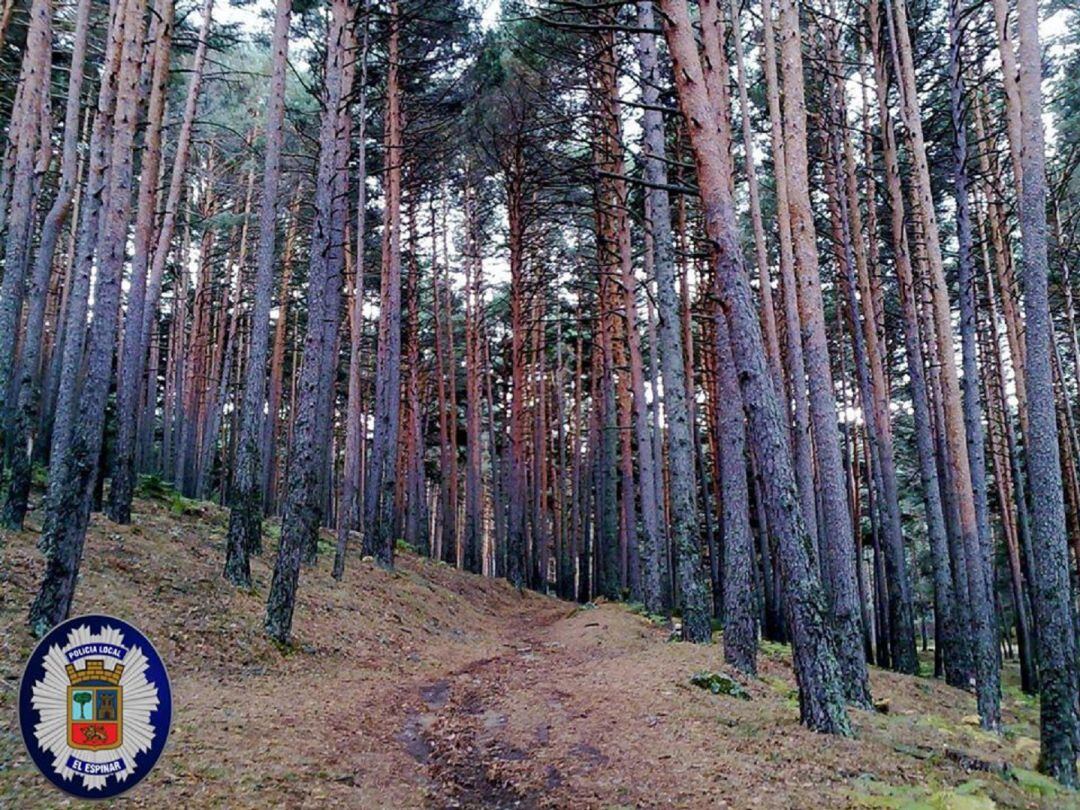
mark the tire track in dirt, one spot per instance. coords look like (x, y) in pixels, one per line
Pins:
(456, 735)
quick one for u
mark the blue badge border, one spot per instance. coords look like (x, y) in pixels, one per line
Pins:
(161, 717)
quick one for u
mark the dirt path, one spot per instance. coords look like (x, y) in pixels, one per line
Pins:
(455, 730)
(592, 708)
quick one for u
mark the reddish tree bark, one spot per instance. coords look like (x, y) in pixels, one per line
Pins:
(821, 687)
(73, 471)
(27, 383)
(132, 354)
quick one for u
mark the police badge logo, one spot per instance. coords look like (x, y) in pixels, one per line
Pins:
(95, 706)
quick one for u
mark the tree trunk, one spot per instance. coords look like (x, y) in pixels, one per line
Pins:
(968, 333)
(473, 541)
(979, 578)
(1057, 666)
(693, 597)
(179, 179)
(381, 476)
(354, 425)
(27, 384)
(415, 512)
(878, 429)
(73, 472)
(838, 554)
(955, 653)
(1000, 450)
(272, 425)
(740, 623)
(801, 440)
(651, 545)
(821, 686)
(447, 462)
(23, 134)
(132, 355)
(761, 253)
(245, 514)
(303, 497)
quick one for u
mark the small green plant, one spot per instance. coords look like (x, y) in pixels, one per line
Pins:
(970, 795)
(39, 476)
(774, 649)
(719, 684)
(154, 487)
(639, 609)
(1035, 782)
(178, 504)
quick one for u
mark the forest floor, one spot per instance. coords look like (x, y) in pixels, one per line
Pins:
(427, 687)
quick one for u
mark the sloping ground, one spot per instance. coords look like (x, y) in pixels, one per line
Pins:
(427, 687)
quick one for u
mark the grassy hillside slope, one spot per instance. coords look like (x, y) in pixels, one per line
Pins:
(427, 687)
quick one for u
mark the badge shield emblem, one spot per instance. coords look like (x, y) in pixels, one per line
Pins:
(95, 707)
